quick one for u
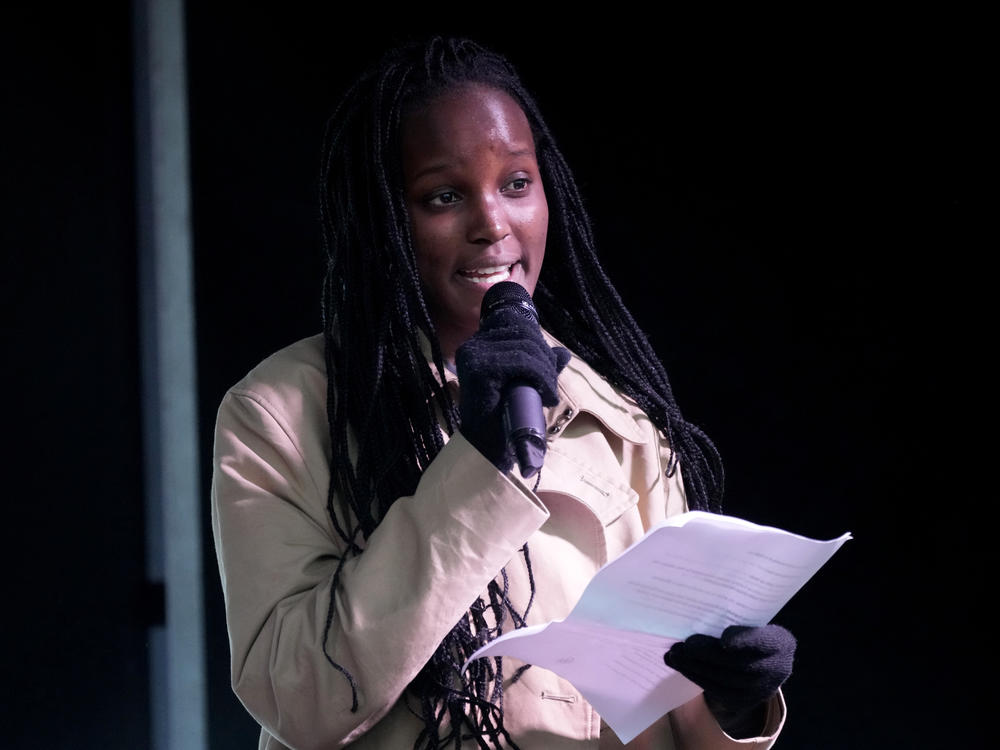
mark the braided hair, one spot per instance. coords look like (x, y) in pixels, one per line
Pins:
(387, 405)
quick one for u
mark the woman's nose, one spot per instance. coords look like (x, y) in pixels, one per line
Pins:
(488, 222)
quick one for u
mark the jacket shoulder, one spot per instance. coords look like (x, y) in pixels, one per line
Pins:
(287, 390)
(304, 358)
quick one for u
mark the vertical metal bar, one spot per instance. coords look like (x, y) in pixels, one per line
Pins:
(170, 417)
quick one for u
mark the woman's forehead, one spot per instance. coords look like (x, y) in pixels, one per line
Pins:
(463, 120)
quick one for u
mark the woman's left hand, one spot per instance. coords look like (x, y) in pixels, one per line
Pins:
(738, 671)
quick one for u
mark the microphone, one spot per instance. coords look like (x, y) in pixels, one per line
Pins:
(523, 418)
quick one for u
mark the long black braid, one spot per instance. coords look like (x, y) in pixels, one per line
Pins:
(387, 405)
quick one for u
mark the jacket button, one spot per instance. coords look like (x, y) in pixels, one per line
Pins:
(564, 417)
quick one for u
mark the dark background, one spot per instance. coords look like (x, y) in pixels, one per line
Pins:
(789, 205)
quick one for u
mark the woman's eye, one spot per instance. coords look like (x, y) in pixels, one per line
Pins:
(443, 199)
(518, 184)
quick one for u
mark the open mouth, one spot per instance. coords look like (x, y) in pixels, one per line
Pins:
(488, 275)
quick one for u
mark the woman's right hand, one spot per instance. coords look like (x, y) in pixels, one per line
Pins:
(507, 347)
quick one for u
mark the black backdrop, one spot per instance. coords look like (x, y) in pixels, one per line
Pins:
(787, 204)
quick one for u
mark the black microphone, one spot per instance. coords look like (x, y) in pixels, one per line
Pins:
(523, 418)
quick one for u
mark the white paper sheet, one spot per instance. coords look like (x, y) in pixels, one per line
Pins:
(693, 573)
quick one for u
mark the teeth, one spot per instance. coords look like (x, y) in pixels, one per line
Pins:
(489, 275)
(486, 271)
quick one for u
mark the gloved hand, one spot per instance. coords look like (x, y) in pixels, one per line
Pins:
(507, 347)
(738, 672)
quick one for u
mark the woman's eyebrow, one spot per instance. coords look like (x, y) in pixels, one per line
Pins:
(440, 166)
(445, 165)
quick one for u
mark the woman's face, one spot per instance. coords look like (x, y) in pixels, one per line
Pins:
(476, 204)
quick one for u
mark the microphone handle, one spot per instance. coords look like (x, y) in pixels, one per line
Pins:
(524, 425)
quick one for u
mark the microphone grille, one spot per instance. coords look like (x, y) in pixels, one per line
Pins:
(508, 295)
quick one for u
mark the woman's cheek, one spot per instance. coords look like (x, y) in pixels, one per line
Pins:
(434, 237)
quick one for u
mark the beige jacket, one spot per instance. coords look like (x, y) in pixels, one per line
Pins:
(601, 487)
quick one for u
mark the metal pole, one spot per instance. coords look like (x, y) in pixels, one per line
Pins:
(170, 416)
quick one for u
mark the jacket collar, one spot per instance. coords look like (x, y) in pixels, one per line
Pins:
(582, 389)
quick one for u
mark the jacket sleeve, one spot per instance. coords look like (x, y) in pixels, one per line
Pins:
(431, 556)
(694, 727)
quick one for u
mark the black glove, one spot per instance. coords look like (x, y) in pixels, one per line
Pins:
(507, 347)
(738, 672)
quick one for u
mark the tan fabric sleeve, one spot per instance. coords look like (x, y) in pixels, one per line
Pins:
(694, 727)
(431, 556)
